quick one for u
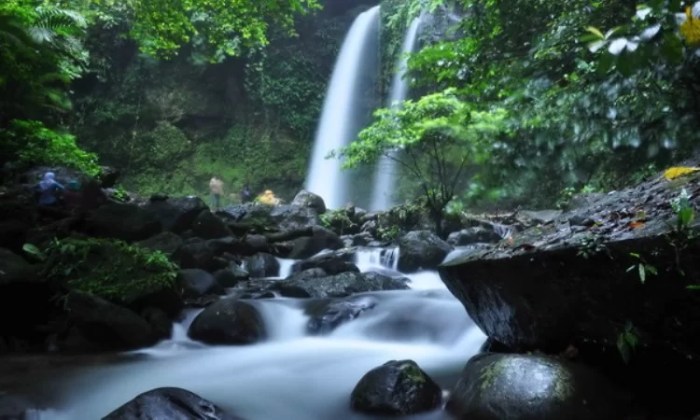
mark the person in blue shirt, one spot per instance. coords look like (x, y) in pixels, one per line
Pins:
(49, 190)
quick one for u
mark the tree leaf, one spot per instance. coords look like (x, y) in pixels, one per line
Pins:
(678, 171)
(642, 273)
(595, 31)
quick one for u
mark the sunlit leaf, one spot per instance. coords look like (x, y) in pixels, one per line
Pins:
(595, 31)
(678, 171)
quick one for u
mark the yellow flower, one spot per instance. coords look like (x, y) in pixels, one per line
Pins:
(690, 28)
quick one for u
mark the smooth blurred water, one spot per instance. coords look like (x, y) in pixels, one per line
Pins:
(385, 172)
(292, 375)
(341, 118)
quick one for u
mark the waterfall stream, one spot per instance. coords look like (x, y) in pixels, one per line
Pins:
(385, 173)
(292, 375)
(342, 118)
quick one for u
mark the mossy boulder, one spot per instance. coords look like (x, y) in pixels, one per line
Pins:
(528, 387)
(398, 387)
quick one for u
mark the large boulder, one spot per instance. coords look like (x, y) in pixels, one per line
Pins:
(320, 239)
(281, 218)
(397, 388)
(308, 199)
(176, 214)
(122, 221)
(326, 315)
(340, 285)
(331, 263)
(262, 265)
(171, 404)
(206, 225)
(197, 283)
(228, 321)
(166, 242)
(530, 387)
(100, 325)
(421, 250)
(24, 299)
(610, 280)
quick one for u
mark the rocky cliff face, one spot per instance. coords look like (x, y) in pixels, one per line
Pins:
(171, 125)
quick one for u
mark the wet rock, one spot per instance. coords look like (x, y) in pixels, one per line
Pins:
(331, 263)
(308, 199)
(208, 226)
(528, 387)
(421, 250)
(326, 315)
(340, 285)
(13, 234)
(122, 221)
(15, 269)
(321, 239)
(198, 253)
(171, 404)
(166, 242)
(396, 388)
(176, 214)
(24, 298)
(101, 325)
(473, 235)
(228, 321)
(229, 277)
(198, 282)
(262, 265)
(570, 285)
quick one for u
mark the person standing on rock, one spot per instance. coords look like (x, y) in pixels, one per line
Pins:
(246, 194)
(49, 190)
(216, 187)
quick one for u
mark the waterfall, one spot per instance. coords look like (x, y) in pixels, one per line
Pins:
(385, 173)
(340, 119)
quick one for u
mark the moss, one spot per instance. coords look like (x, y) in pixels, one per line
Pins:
(413, 373)
(337, 220)
(489, 375)
(111, 269)
(563, 389)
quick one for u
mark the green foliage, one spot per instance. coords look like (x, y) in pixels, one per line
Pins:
(218, 28)
(590, 245)
(28, 142)
(435, 140)
(111, 269)
(575, 117)
(40, 53)
(283, 79)
(337, 220)
(643, 268)
(685, 213)
(627, 342)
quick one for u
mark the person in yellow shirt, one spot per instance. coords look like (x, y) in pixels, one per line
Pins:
(268, 197)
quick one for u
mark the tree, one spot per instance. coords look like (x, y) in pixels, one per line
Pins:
(218, 27)
(40, 54)
(435, 140)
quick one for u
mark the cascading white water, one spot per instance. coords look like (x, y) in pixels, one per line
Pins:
(385, 173)
(340, 119)
(293, 374)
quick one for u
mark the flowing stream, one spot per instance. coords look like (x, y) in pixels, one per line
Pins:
(292, 375)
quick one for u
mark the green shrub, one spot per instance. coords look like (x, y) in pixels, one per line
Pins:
(29, 142)
(111, 269)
